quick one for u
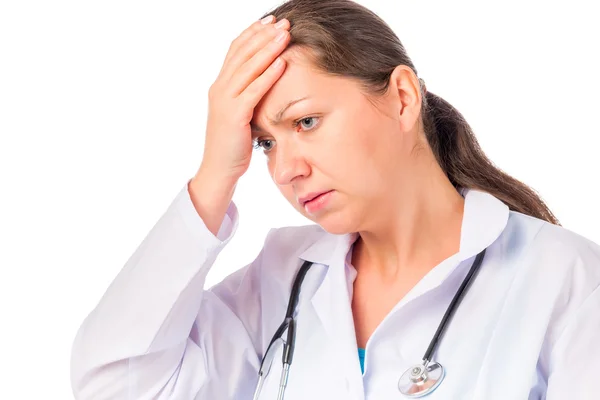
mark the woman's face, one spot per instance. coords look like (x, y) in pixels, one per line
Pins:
(331, 139)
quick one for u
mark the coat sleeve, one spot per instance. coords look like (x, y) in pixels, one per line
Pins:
(157, 333)
(574, 367)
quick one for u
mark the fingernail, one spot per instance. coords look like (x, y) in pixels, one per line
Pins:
(281, 35)
(277, 62)
(280, 24)
(266, 20)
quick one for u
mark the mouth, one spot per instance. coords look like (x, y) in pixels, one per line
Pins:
(311, 196)
(317, 202)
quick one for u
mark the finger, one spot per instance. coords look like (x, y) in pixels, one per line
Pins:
(249, 32)
(261, 85)
(255, 66)
(251, 47)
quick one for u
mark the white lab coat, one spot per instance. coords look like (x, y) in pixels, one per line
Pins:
(528, 328)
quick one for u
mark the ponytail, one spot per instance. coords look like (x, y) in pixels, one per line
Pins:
(465, 164)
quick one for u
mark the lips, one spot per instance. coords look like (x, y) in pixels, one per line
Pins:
(311, 196)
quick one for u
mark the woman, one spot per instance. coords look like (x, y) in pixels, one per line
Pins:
(405, 204)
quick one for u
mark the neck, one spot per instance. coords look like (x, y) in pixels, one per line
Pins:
(415, 228)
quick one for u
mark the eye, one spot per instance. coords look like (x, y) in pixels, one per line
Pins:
(307, 123)
(266, 144)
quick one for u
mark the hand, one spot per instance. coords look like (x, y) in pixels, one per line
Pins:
(250, 69)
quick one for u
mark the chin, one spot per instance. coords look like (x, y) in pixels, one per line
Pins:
(335, 223)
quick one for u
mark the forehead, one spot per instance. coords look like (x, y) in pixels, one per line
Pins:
(302, 79)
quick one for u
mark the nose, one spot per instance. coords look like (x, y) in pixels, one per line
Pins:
(289, 163)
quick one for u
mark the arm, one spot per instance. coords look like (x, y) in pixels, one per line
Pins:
(156, 333)
(574, 362)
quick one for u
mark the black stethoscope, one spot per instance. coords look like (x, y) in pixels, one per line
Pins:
(418, 381)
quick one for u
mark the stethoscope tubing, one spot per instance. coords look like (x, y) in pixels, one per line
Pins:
(450, 311)
(289, 324)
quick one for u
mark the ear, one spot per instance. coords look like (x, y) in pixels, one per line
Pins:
(405, 88)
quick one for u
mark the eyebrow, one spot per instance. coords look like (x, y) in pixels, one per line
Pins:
(278, 116)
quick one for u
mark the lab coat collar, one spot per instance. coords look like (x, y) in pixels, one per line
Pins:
(484, 219)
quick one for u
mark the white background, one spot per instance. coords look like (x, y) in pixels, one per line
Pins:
(102, 115)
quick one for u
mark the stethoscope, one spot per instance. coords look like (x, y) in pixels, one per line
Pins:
(418, 381)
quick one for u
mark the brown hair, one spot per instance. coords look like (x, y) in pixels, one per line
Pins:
(346, 39)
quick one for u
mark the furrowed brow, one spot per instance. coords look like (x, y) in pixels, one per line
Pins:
(278, 117)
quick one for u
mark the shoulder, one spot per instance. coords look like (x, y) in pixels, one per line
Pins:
(549, 261)
(554, 267)
(553, 242)
(571, 255)
(274, 266)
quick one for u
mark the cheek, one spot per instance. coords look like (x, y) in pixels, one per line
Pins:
(288, 193)
(361, 146)
(270, 166)
(290, 196)
(374, 157)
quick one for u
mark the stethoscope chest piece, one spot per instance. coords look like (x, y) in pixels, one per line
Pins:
(421, 379)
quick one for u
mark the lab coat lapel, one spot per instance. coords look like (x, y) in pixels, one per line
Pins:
(332, 299)
(330, 251)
